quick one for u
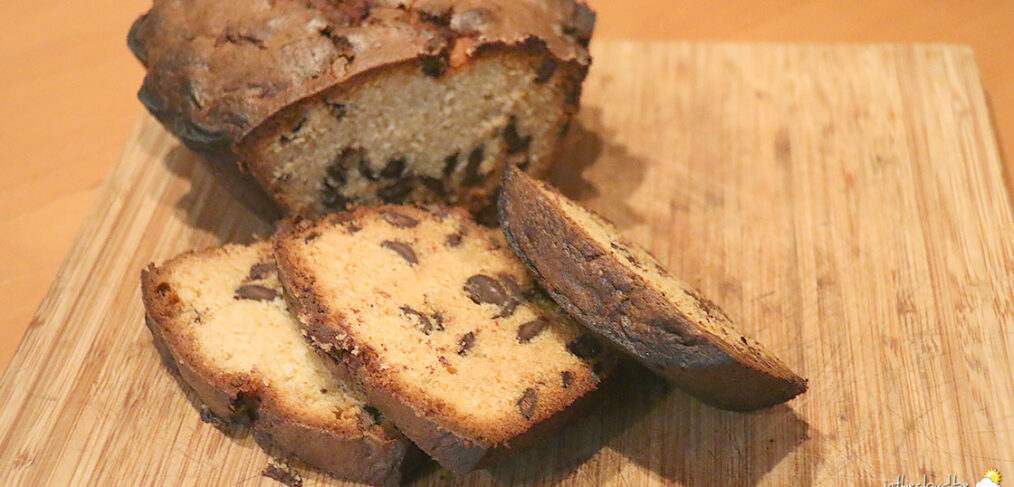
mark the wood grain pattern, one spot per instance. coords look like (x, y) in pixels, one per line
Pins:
(846, 204)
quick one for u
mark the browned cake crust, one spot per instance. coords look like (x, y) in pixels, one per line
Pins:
(219, 69)
(428, 421)
(364, 452)
(625, 296)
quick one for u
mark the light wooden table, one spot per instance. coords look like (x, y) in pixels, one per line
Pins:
(67, 85)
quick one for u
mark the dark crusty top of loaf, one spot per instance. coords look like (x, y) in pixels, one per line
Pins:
(218, 68)
(623, 294)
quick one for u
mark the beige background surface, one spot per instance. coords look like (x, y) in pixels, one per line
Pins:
(67, 85)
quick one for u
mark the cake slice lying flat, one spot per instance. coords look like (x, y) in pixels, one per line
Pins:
(625, 296)
(217, 318)
(440, 325)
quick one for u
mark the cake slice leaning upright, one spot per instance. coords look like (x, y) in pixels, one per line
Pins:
(219, 322)
(441, 326)
(624, 295)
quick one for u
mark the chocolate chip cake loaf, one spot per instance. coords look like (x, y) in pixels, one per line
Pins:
(440, 325)
(320, 103)
(626, 297)
(218, 319)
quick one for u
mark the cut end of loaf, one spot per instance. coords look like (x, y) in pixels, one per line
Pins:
(409, 132)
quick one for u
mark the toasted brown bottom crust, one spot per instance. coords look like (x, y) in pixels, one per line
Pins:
(370, 459)
(603, 295)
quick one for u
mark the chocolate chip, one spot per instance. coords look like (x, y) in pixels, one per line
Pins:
(434, 66)
(438, 320)
(162, 288)
(399, 220)
(357, 157)
(584, 347)
(472, 176)
(353, 228)
(484, 289)
(335, 173)
(396, 192)
(394, 168)
(401, 248)
(337, 109)
(284, 474)
(466, 343)
(515, 142)
(451, 163)
(286, 138)
(512, 287)
(527, 403)
(514, 293)
(310, 237)
(261, 270)
(529, 330)
(255, 292)
(453, 239)
(435, 185)
(422, 321)
(334, 201)
(545, 70)
(567, 377)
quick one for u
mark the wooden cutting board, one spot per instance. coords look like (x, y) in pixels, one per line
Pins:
(845, 203)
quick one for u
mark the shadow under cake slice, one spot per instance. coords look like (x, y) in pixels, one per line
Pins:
(218, 318)
(625, 296)
(441, 326)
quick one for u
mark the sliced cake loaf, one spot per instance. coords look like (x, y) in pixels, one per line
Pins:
(625, 296)
(218, 319)
(440, 325)
(324, 103)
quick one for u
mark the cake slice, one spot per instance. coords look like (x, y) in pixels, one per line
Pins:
(440, 325)
(625, 296)
(322, 103)
(218, 319)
